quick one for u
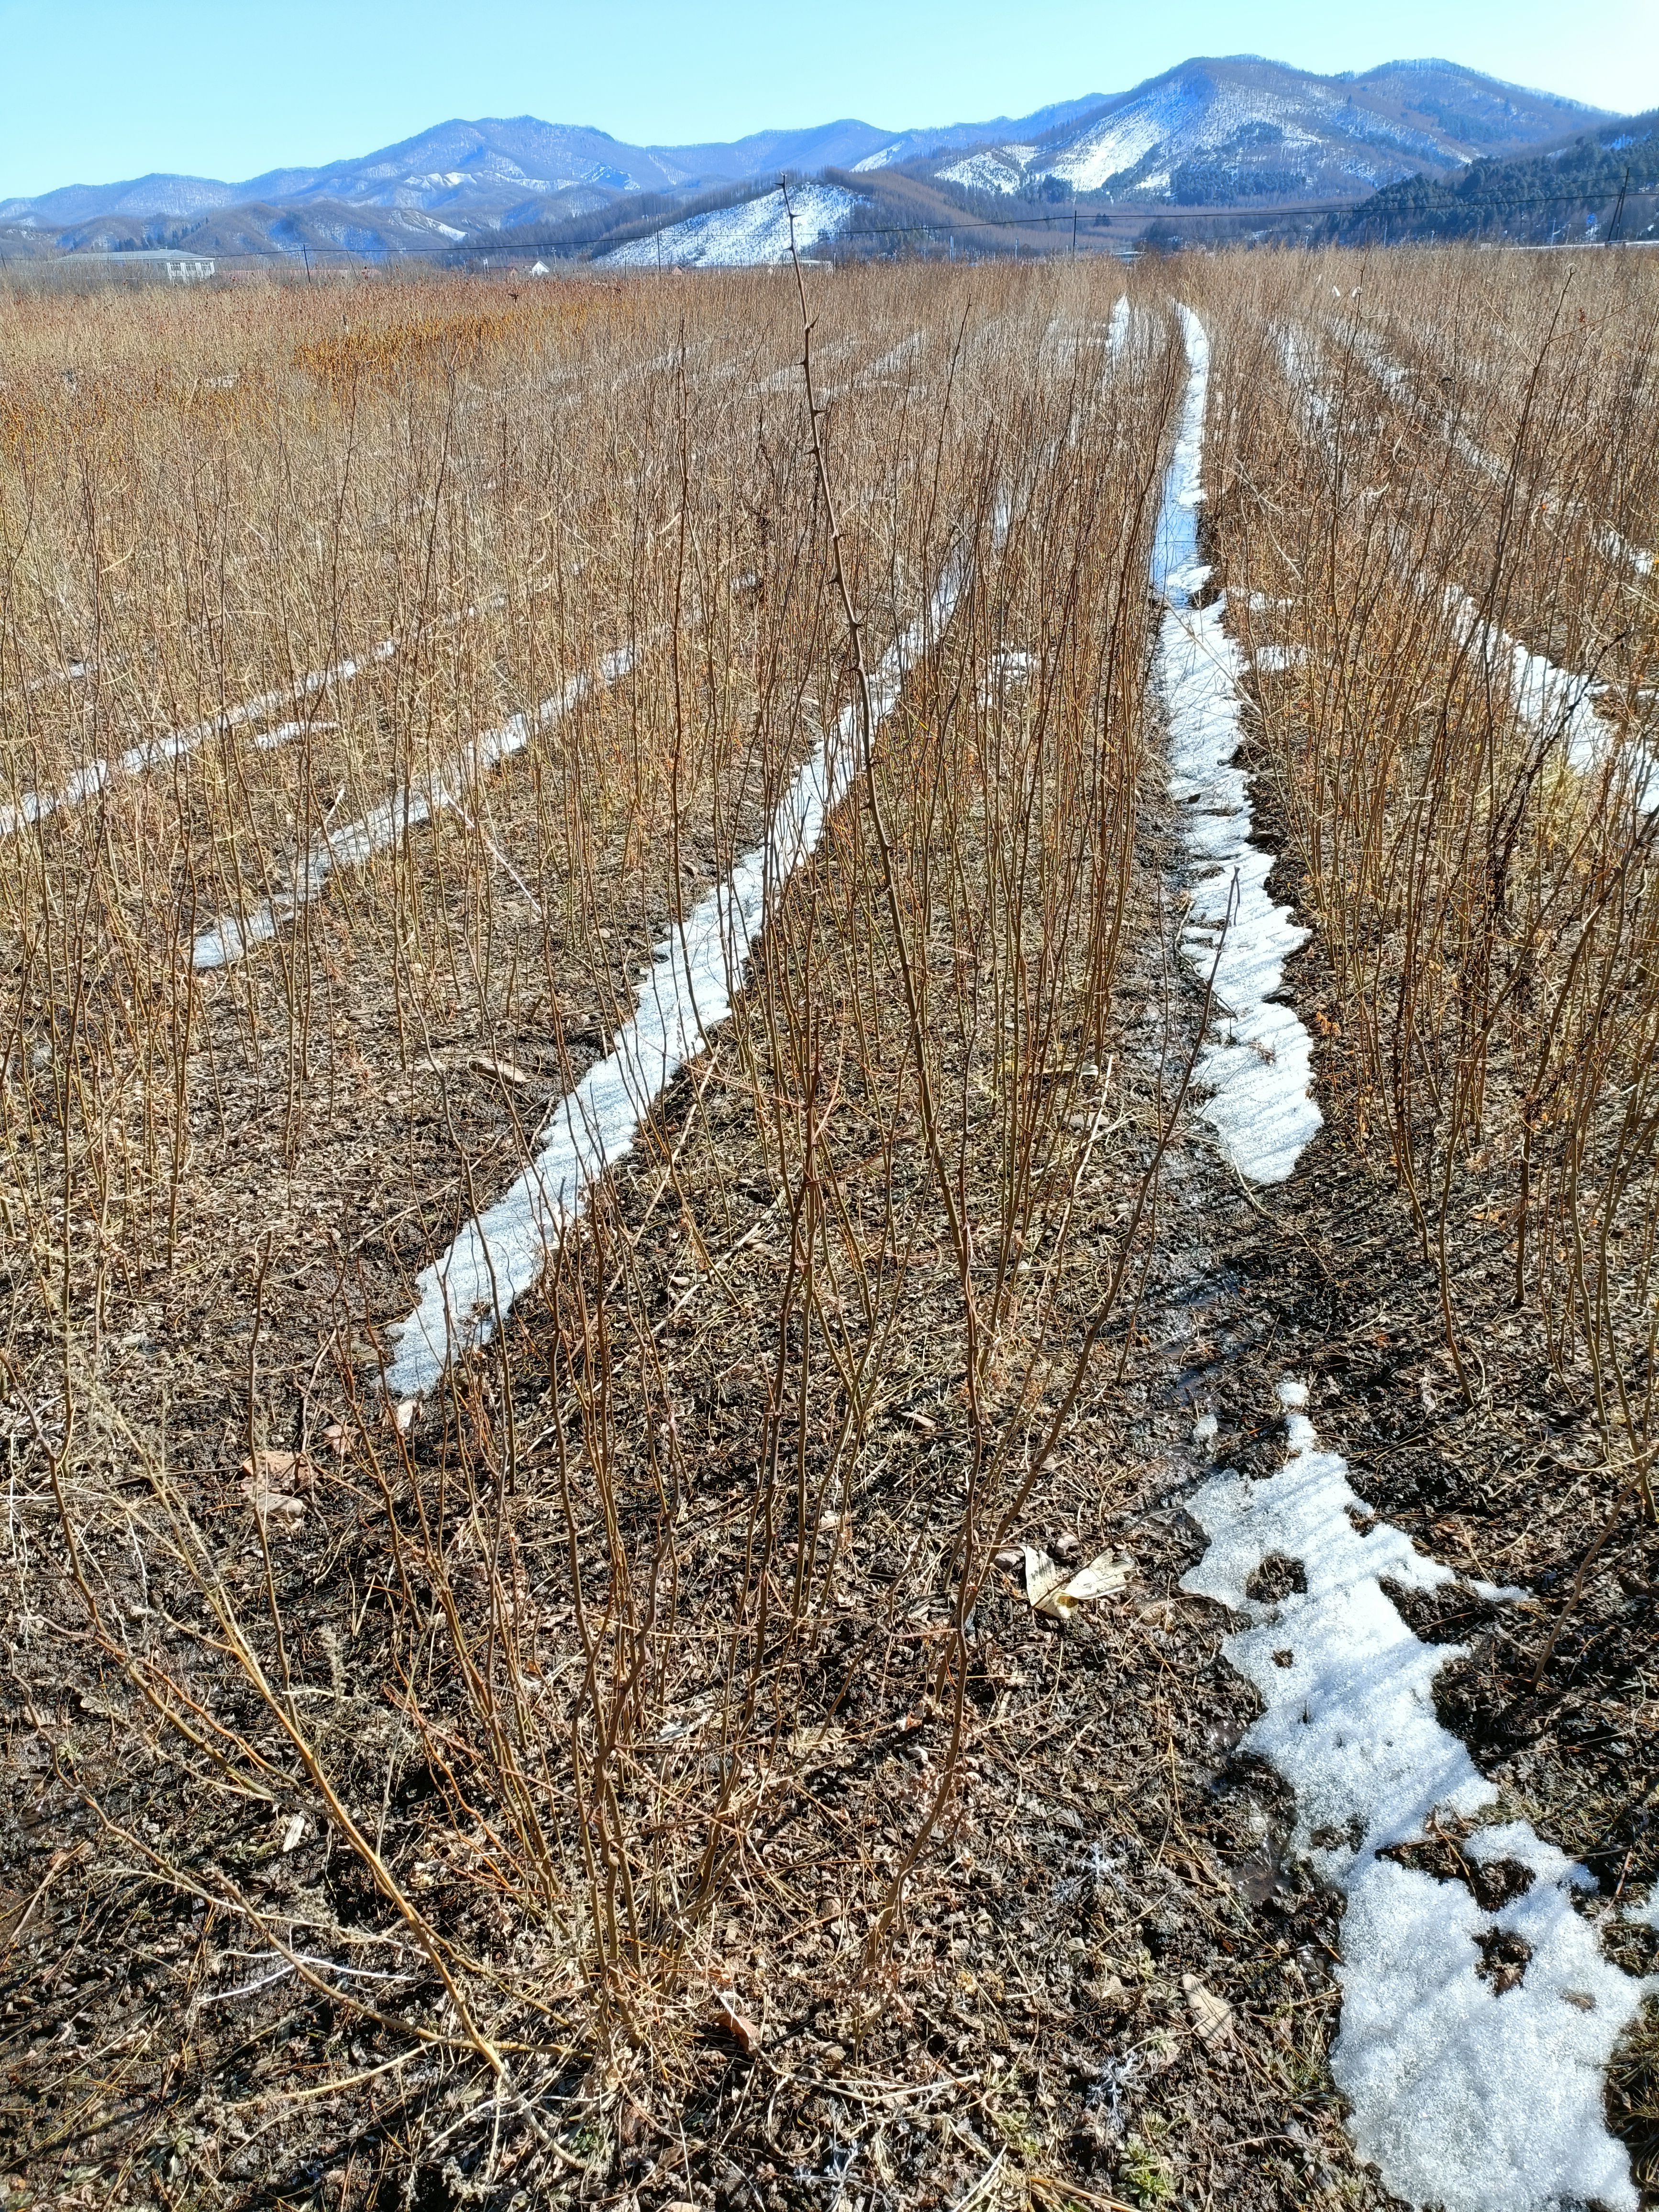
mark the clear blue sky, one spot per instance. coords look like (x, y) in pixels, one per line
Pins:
(94, 90)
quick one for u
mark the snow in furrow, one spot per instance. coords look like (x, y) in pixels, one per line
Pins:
(1465, 2096)
(1554, 703)
(1117, 337)
(1397, 380)
(697, 969)
(155, 752)
(1546, 698)
(1256, 1066)
(1551, 700)
(354, 843)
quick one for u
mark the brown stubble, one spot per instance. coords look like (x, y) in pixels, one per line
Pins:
(668, 1487)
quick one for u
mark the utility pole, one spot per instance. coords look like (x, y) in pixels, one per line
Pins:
(1618, 207)
(1074, 226)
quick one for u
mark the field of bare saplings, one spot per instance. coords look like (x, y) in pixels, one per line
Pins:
(830, 1233)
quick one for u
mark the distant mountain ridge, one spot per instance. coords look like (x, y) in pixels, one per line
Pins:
(491, 168)
(1234, 128)
(1209, 131)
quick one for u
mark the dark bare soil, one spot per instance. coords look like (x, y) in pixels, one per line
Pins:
(1025, 2019)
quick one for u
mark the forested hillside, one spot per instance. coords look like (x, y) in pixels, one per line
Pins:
(1560, 197)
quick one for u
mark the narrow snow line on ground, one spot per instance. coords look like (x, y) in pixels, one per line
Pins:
(1467, 2096)
(173, 744)
(1551, 700)
(886, 369)
(1117, 337)
(36, 805)
(355, 843)
(1396, 379)
(697, 969)
(1257, 1065)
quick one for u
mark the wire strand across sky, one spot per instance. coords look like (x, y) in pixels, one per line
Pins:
(95, 90)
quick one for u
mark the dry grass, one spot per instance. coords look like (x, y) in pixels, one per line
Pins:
(521, 1678)
(561, 1781)
(1488, 903)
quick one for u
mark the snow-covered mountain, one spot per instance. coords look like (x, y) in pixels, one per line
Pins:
(491, 169)
(502, 172)
(1209, 131)
(914, 145)
(1244, 128)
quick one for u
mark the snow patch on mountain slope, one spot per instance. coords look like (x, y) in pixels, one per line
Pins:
(1000, 170)
(1118, 143)
(753, 233)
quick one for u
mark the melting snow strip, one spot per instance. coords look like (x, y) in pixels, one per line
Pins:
(155, 752)
(1397, 380)
(1550, 700)
(35, 805)
(1117, 337)
(1257, 1067)
(1546, 697)
(697, 969)
(355, 843)
(1467, 2096)
(1554, 703)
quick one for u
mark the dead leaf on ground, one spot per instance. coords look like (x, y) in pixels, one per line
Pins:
(272, 1482)
(1057, 1592)
(1212, 2016)
(1103, 1577)
(278, 1510)
(280, 1470)
(744, 2031)
(444, 1063)
(487, 1064)
(1043, 1578)
(821, 1740)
